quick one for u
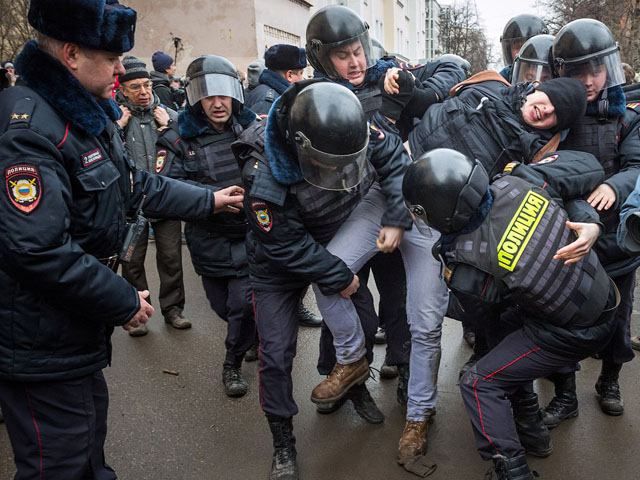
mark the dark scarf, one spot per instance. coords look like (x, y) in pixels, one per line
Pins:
(617, 104)
(192, 122)
(371, 78)
(274, 80)
(51, 80)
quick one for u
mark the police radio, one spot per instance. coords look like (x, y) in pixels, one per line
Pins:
(134, 230)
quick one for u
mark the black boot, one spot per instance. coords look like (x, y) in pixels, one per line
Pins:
(364, 404)
(609, 390)
(534, 434)
(306, 317)
(515, 468)
(284, 466)
(565, 402)
(402, 392)
(252, 353)
(234, 384)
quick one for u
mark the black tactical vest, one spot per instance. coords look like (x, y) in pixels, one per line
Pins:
(516, 244)
(323, 211)
(210, 161)
(370, 99)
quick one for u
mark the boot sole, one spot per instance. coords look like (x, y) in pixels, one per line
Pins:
(323, 401)
(540, 453)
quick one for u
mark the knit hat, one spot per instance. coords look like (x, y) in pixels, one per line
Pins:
(569, 99)
(97, 24)
(161, 61)
(254, 70)
(285, 57)
(134, 68)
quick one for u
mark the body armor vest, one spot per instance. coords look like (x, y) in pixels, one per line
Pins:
(516, 244)
(324, 211)
(370, 99)
(210, 161)
(600, 139)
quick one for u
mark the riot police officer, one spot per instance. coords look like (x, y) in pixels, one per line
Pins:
(62, 214)
(532, 62)
(201, 154)
(517, 31)
(495, 248)
(586, 50)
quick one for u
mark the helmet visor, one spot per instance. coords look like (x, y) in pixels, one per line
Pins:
(214, 84)
(510, 48)
(343, 58)
(526, 71)
(603, 71)
(329, 171)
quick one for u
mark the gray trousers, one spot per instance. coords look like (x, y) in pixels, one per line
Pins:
(427, 297)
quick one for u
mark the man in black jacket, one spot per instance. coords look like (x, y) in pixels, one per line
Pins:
(163, 70)
(68, 186)
(199, 151)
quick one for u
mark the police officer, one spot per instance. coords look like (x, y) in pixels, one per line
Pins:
(518, 30)
(68, 185)
(199, 151)
(586, 50)
(284, 65)
(305, 188)
(495, 247)
(532, 61)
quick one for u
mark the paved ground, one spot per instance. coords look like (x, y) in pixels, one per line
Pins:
(166, 427)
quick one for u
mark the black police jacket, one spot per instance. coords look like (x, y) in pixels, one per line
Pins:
(197, 154)
(283, 253)
(67, 188)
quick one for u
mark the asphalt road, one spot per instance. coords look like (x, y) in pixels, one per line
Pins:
(183, 427)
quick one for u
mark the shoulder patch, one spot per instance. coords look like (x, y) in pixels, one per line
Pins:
(22, 113)
(161, 157)
(24, 186)
(549, 159)
(411, 65)
(263, 216)
(91, 157)
(634, 106)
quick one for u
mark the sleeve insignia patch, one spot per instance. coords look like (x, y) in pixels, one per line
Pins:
(24, 186)
(549, 159)
(263, 216)
(160, 159)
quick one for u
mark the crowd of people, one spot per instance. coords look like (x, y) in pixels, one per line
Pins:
(509, 201)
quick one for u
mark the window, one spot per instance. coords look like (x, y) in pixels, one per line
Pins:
(274, 35)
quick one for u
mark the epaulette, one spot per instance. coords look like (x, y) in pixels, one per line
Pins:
(22, 113)
(635, 106)
(410, 66)
(375, 133)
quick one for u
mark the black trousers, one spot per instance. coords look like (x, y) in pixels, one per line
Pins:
(230, 298)
(168, 238)
(58, 429)
(619, 350)
(507, 369)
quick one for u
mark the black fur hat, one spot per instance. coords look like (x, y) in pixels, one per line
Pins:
(285, 57)
(96, 24)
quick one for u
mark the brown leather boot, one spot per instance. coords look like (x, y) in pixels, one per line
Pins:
(339, 381)
(413, 442)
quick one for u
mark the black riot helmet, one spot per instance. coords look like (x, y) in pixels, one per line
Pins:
(443, 189)
(532, 62)
(458, 60)
(330, 134)
(211, 75)
(336, 26)
(517, 31)
(377, 50)
(587, 47)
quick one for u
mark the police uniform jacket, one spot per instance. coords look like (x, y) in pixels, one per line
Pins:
(290, 220)
(67, 188)
(271, 86)
(198, 154)
(505, 257)
(615, 142)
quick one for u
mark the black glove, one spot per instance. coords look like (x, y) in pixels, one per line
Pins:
(393, 105)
